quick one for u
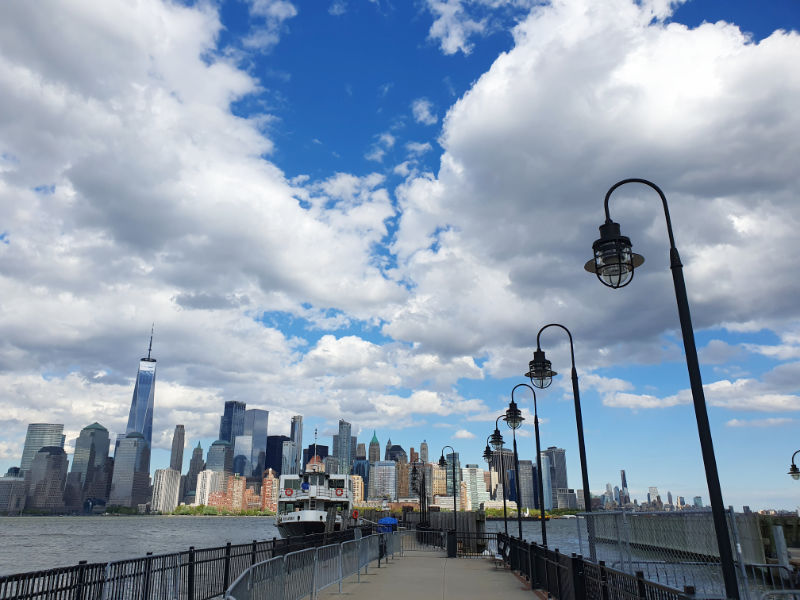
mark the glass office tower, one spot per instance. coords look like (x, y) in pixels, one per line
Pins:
(40, 435)
(140, 418)
(231, 423)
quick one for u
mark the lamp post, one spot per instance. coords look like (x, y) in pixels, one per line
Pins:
(496, 439)
(793, 470)
(418, 483)
(443, 464)
(614, 264)
(514, 419)
(538, 463)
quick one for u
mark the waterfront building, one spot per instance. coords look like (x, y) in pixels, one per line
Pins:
(250, 452)
(342, 447)
(270, 491)
(288, 465)
(527, 479)
(438, 480)
(176, 456)
(130, 484)
(38, 436)
(140, 417)
(242, 449)
(697, 502)
(403, 478)
(358, 488)
(374, 449)
(231, 423)
(208, 482)
(361, 468)
(91, 451)
(451, 485)
(296, 437)
(361, 451)
(166, 490)
(423, 451)
(558, 470)
(474, 487)
(196, 464)
(383, 480)
(275, 453)
(12, 494)
(547, 483)
(220, 458)
(46, 478)
(566, 498)
(504, 467)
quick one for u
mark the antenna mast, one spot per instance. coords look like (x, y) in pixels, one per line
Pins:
(150, 348)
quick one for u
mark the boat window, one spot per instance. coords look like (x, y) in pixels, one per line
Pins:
(335, 483)
(291, 484)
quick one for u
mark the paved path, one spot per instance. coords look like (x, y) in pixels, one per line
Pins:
(425, 577)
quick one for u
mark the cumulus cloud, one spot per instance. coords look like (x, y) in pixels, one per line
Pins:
(268, 19)
(463, 434)
(775, 422)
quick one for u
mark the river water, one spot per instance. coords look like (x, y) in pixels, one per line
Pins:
(36, 543)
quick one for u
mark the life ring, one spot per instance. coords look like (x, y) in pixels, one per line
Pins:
(355, 514)
(339, 491)
(288, 491)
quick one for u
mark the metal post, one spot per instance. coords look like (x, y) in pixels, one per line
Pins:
(190, 575)
(227, 573)
(516, 478)
(503, 477)
(148, 567)
(79, 577)
(539, 471)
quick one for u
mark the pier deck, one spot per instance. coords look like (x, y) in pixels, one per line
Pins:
(422, 577)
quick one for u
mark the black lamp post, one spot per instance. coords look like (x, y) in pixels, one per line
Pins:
(614, 264)
(443, 464)
(514, 419)
(538, 463)
(793, 470)
(496, 439)
(418, 483)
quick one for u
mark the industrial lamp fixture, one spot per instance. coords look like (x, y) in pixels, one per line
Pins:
(513, 416)
(614, 261)
(539, 370)
(793, 470)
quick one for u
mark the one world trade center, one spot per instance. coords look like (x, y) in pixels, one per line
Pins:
(140, 419)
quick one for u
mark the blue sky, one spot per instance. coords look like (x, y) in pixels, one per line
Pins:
(367, 209)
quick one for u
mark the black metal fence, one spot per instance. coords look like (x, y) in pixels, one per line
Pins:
(570, 577)
(197, 574)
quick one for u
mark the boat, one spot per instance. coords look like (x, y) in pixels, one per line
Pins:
(314, 502)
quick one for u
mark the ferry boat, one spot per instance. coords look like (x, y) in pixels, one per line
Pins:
(306, 501)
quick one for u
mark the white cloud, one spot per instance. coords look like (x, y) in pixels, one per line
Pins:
(267, 22)
(384, 142)
(418, 148)
(774, 422)
(422, 109)
(463, 434)
(452, 26)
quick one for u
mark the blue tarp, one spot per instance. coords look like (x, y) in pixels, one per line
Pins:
(387, 525)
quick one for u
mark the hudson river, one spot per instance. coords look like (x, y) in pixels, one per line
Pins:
(36, 543)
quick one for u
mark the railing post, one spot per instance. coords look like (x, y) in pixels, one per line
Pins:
(226, 577)
(578, 577)
(641, 589)
(253, 553)
(604, 593)
(314, 574)
(148, 569)
(190, 575)
(558, 575)
(79, 576)
(341, 566)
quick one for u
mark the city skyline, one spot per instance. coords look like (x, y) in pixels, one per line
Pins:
(366, 210)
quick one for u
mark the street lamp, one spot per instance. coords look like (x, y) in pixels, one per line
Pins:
(418, 483)
(443, 464)
(541, 376)
(793, 470)
(614, 264)
(496, 439)
(538, 463)
(514, 419)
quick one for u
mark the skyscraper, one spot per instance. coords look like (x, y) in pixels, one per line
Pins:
(423, 451)
(45, 479)
(231, 423)
(130, 484)
(289, 454)
(558, 469)
(220, 458)
(383, 480)
(526, 483)
(91, 451)
(256, 422)
(451, 458)
(296, 436)
(140, 417)
(476, 488)
(374, 449)
(166, 486)
(196, 464)
(275, 453)
(178, 440)
(361, 451)
(343, 447)
(40, 435)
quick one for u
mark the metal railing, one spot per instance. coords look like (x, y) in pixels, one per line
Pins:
(196, 574)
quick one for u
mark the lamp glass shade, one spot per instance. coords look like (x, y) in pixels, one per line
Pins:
(794, 471)
(442, 462)
(614, 261)
(540, 371)
(487, 454)
(513, 416)
(496, 440)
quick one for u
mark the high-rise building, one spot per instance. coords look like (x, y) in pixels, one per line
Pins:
(423, 451)
(270, 491)
(388, 446)
(396, 453)
(289, 465)
(166, 489)
(40, 435)
(196, 464)
(624, 495)
(130, 485)
(361, 451)
(12, 494)
(342, 449)
(91, 451)
(256, 422)
(403, 478)
(361, 468)
(208, 482)
(331, 464)
(296, 437)
(46, 479)
(220, 459)
(275, 452)
(140, 417)
(453, 458)
(526, 483)
(231, 423)
(413, 456)
(502, 462)
(439, 480)
(383, 478)
(476, 488)
(558, 470)
(547, 483)
(242, 449)
(176, 457)
(312, 450)
(374, 449)
(358, 488)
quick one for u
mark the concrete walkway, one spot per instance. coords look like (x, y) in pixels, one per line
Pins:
(424, 577)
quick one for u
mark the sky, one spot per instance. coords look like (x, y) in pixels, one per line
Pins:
(367, 209)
